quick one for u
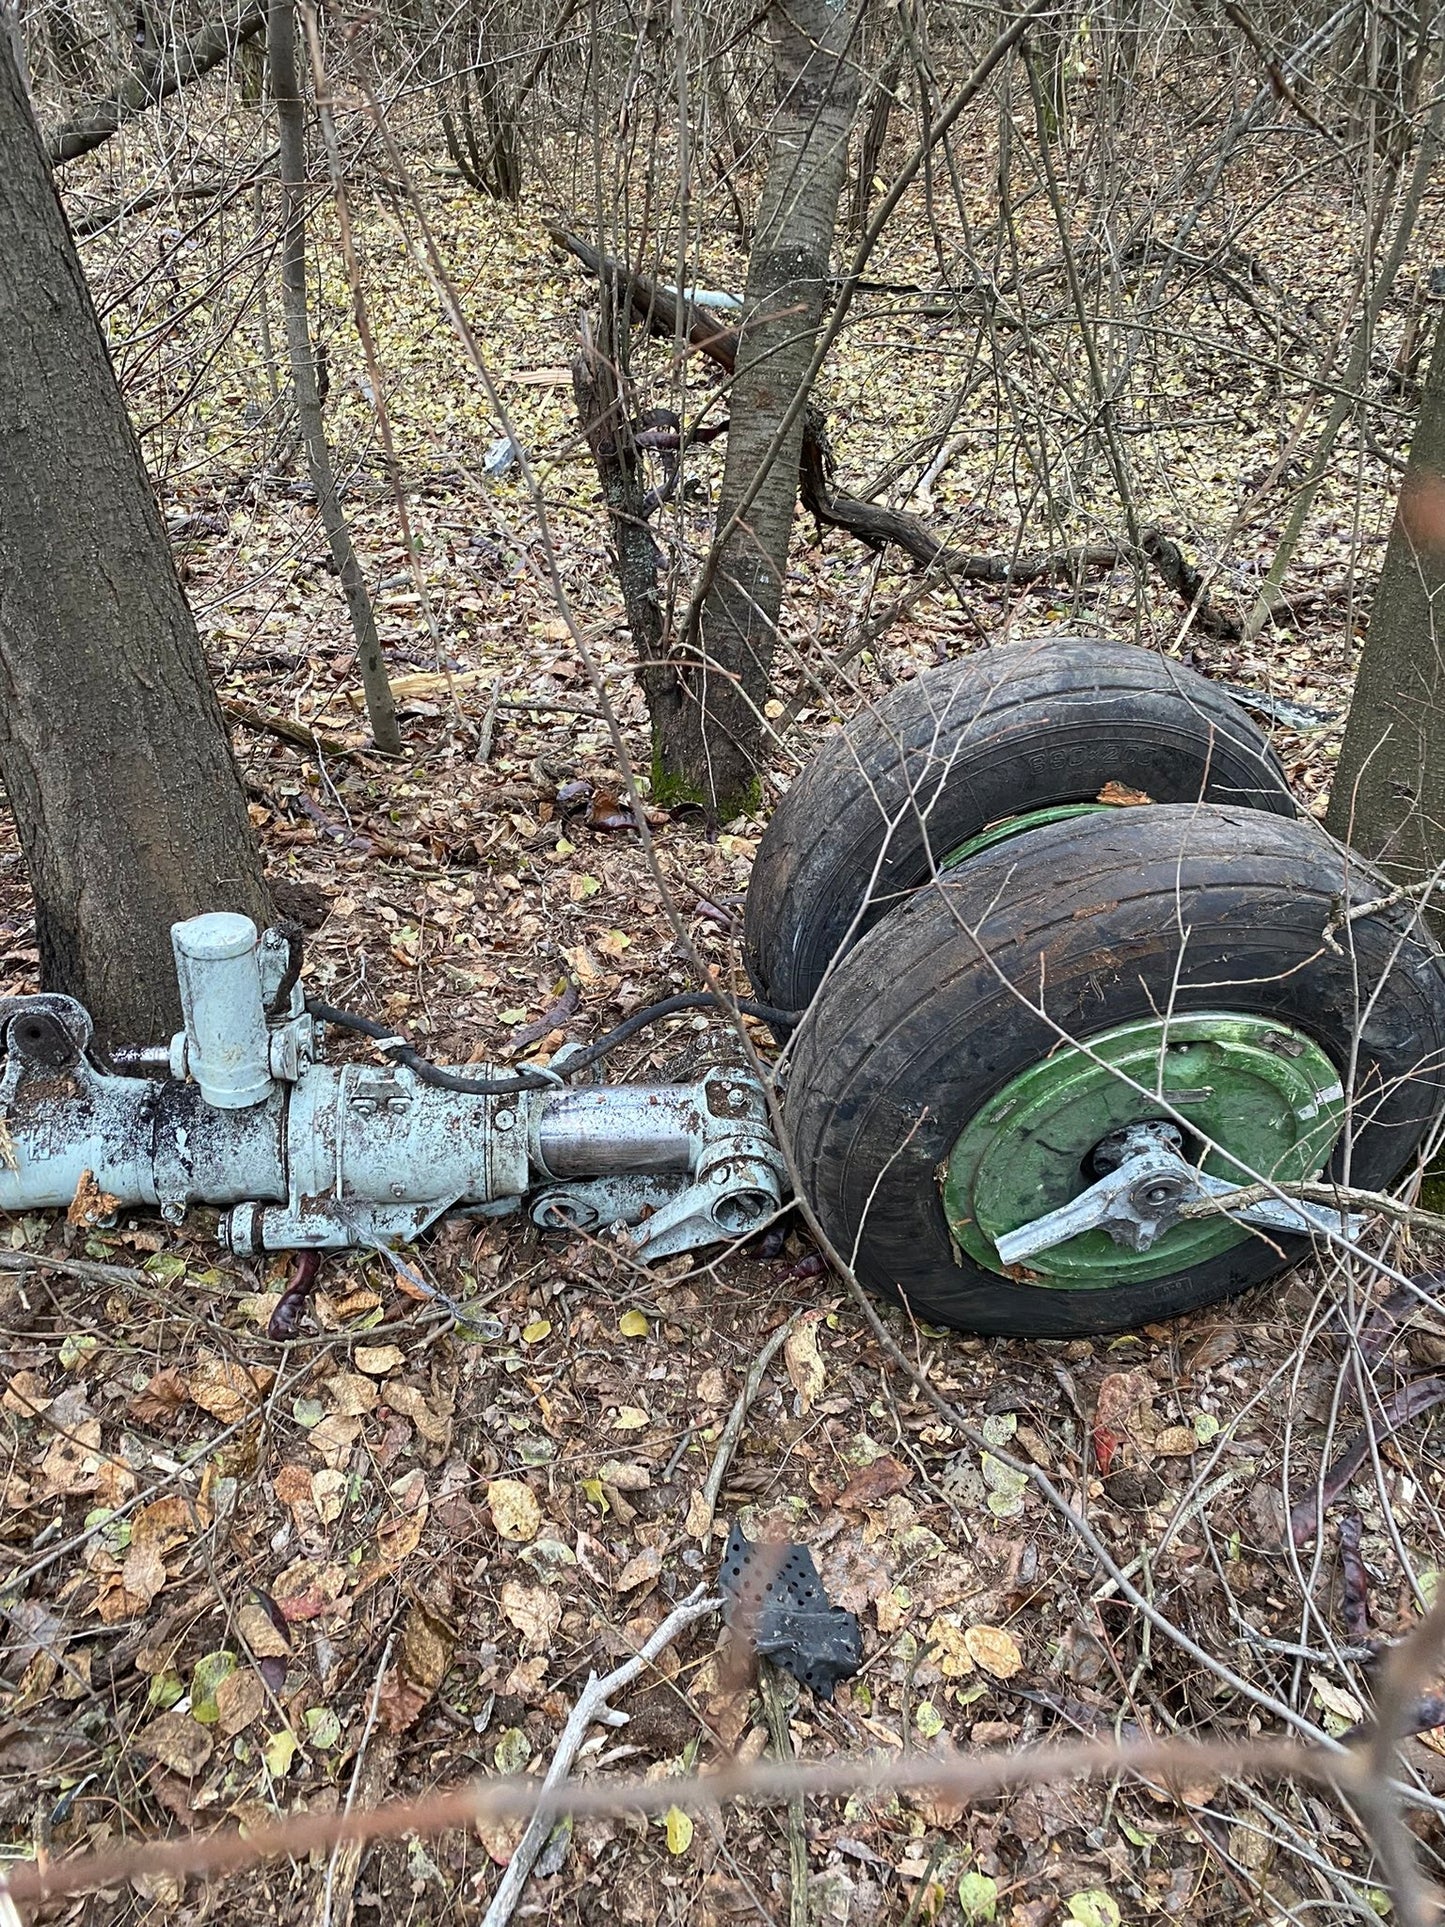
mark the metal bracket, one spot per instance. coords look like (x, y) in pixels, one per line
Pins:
(1143, 1196)
(732, 1176)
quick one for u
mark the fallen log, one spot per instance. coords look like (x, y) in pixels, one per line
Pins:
(671, 318)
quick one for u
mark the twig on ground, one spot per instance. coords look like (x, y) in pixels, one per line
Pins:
(592, 1704)
(69, 1267)
(370, 1775)
(782, 1738)
(732, 1431)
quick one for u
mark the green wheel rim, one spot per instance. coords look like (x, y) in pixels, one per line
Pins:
(1009, 827)
(1267, 1096)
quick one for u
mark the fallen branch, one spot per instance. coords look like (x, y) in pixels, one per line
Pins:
(1342, 1196)
(1420, 1395)
(290, 731)
(592, 1704)
(726, 1446)
(666, 315)
(164, 73)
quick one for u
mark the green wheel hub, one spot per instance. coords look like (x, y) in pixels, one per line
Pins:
(1009, 827)
(1264, 1094)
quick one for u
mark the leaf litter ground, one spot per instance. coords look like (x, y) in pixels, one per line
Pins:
(246, 1578)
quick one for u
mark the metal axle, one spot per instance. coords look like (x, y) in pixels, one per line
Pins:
(1144, 1194)
(306, 1154)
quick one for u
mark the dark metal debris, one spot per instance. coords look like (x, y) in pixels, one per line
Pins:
(773, 1599)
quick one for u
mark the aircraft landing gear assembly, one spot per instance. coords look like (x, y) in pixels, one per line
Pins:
(1068, 970)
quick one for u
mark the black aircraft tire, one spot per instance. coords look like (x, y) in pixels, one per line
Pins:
(935, 1011)
(1012, 730)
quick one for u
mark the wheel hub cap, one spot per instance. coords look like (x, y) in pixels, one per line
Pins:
(1257, 1099)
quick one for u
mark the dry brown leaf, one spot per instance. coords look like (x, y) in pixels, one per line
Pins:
(420, 1666)
(115, 1482)
(624, 1477)
(698, 1523)
(26, 1394)
(163, 1397)
(639, 1571)
(240, 1698)
(144, 1572)
(333, 1439)
(994, 1650)
(873, 1483)
(398, 1537)
(1121, 797)
(1176, 1442)
(177, 1742)
(90, 1205)
(535, 1611)
(514, 1509)
(226, 1389)
(350, 1394)
(166, 1522)
(377, 1360)
(262, 1637)
(72, 1460)
(500, 1835)
(328, 1494)
(949, 1642)
(292, 1486)
(435, 1426)
(1123, 1401)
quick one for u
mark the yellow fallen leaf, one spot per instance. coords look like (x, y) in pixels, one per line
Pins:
(994, 1650)
(950, 1647)
(679, 1830)
(279, 1751)
(633, 1324)
(514, 1509)
(630, 1418)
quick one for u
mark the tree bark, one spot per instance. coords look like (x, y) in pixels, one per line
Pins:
(163, 73)
(599, 382)
(112, 745)
(711, 754)
(1388, 798)
(291, 125)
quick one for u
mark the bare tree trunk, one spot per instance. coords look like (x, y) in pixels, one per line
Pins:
(291, 124)
(1388, 798)
(604, 409)
(876, 115)
(112, 746)
(710, 755)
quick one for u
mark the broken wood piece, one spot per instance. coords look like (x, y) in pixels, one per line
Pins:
(286, 727)
(592, 1705)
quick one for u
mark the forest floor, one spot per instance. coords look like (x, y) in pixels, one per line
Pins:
(245, 1578)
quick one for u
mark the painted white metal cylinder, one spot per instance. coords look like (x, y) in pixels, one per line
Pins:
(227, 1043)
